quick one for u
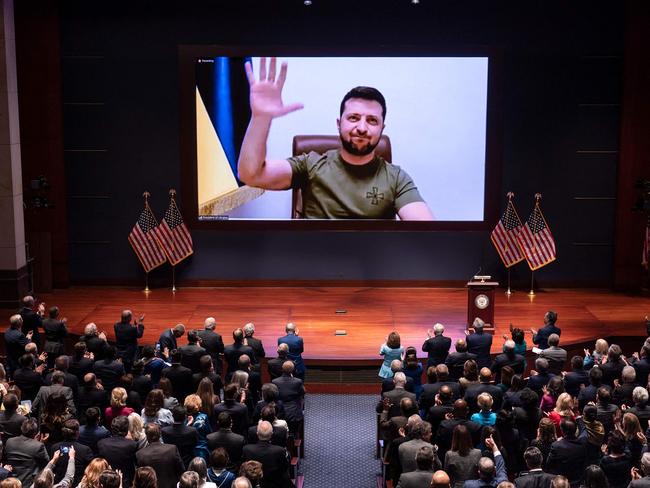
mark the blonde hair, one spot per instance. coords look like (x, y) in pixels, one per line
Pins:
(118, 397)
(601, 346)
(193, 404)
(11, 483)
(485, 401)
(564, 405)
(92, 472)
(136, 426)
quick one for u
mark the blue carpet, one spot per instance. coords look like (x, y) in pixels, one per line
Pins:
(340, 441)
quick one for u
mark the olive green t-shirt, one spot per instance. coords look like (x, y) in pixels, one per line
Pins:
(334, 189)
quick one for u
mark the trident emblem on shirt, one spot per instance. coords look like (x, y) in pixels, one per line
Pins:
(375, 195)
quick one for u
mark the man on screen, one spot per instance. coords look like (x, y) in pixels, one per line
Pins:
(352, 182)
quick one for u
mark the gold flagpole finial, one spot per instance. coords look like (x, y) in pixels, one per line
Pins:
(172, 192)
(510, 195)
(146, 196)
(538, 197)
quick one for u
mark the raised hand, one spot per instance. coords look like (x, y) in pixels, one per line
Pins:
(266, 93)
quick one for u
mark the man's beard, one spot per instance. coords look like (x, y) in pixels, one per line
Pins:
(358, 151)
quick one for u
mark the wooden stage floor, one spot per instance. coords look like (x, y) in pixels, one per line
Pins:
(370, 314)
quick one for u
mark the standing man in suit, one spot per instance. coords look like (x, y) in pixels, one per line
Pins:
(274, 459)
(163, 458)
(109, 370)
(540, 338)
(490, 472)
(15, 342)
(25, 453)
(55, 334)
(233, 351)
(485, 386)
(394, 396)
(296, 348)
(508, 358)
(118, 450)
(479, 343)
(568, 455)
(191, 353)
(167, 339)
(32, 319)
(213, 343)
(534, 477)
(180, 376)
(437, 346)
(126, 338)
(292, 394)
(56, 388)
(224, 437)
(255, 344)
(182, 436)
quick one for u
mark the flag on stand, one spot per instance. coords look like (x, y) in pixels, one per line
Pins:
(536, 240)
(172, 234)
(645, 257)
(143, 241)
(504, 236)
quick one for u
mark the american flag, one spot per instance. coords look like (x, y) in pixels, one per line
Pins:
(173, 236)
(536, 240)
(645, 257)
(144, 243)
(504, 237)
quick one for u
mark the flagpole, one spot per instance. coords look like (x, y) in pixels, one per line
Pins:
(146, 283)
(531, 293)
(508, 291)
(146, 196)
(173, 279)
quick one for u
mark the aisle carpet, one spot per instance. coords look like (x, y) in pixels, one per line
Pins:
(340, 441)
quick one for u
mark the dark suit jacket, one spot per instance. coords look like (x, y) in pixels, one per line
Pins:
(430, 390)
(446, 430)
(15, 342)
(479, 343)
(567, 457)
(474, 391)
(232, 353)
(80, 367)
(237, 411)
(27, 456)
(640, 483)
(516, 362)
(192, 354)
(573, 380)
(541, 338)
(167, 340)
(91, 397)
(83, 456)
(55, 333)
(69, 380)
(279, 437)
(534, 479)
(11, 425)
(181, 380)
(31, 321)
(126, 340)
(292, 392)
(232, 442)
(183, 437)
(275, 463)
(213, 343)
(165, 460)
(642, 368)
(109, 372)
(46, 391)
(96, 345)
(395, 396)
(415, 479)
(90, 436)
(296, 348)
(538, 381)
(257, 347)
(275, 367)
(29, 382)
(437, 348)
(500, 476)
(120, 454)
(456, 361)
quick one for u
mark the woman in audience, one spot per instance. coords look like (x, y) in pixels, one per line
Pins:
(201, 423)
(45, 478)
(270, 396)
(470, 375)
(199, 466)
(519, 338)
(511, 397)
(485, 416)
(170, 400)
(617, 462)
(461, 461)
(118, 406)
(608, 412)
(391, 349)
(594, 477)
(563, 410)
(205, 392)
(218, 473)
(145, 477)
(109, 479)
(550, 393)
(133, 398)
(136, 430)
(154, 410)
(546, 435)
(10, 419)
(54, 415)
(189, 479)
(92, 472)
(207, 371)
(141, 383)
(240, 378)
(506, 375)
(599, 354)
(252, 470)
(635, 441)
(595, 433)
(413, 369)
(512, 440)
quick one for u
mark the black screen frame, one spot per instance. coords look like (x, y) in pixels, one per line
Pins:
(493, 147)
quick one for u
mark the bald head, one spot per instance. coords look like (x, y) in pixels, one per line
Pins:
(210, 323)
(461, 345)
(395, 365)
(485, 468)
(288, 367)
(485, 375)
(290, 328)
(440, 479)
(264, 430)
(399, 379)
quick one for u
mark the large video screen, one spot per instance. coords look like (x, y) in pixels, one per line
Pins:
(435, 120)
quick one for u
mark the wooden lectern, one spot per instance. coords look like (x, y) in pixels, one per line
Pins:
(480, 302)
